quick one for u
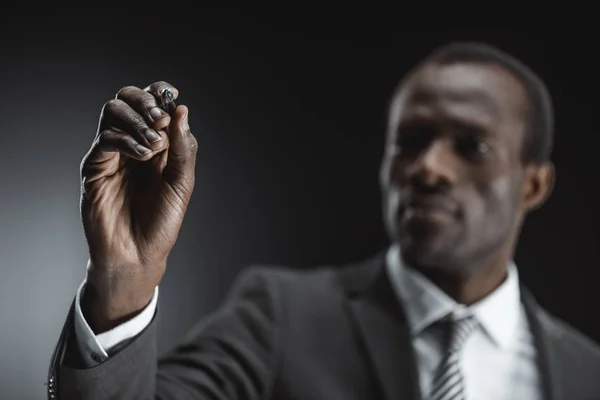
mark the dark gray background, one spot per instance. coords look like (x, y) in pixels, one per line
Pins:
(289, 117)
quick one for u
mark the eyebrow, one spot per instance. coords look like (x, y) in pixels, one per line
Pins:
(416, 116)
(423, 96)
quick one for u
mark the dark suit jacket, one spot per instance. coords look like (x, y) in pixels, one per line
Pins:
(330, 333)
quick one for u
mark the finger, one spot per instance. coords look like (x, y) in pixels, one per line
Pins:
(183, 147)
(118, 114)
(112, 141)
(146, 105)
(108, 144)
(157, 88)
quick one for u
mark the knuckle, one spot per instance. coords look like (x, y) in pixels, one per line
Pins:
(137, 122)
(105, 139)
(157, 87)
(147, 103)
(193, 145)
(103, 136)
(111, 105)
(128, 139)
(112, 138)
(138, 99)
(126, 91)
(161, 85)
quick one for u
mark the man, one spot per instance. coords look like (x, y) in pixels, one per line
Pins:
(440, 315)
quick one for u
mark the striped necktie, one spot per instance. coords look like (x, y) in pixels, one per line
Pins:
(448, 381)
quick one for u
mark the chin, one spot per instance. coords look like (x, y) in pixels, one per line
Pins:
(417, 252)
(433, 252)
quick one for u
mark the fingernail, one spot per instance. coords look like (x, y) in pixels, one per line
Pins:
(156, 113)
(152, 136)
(142, 149)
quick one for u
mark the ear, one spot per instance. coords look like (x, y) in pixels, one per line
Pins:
(538, 185)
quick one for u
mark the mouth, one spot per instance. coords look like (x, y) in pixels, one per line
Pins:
(429, 210)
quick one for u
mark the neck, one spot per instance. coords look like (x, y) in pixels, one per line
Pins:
(469, 288)
(475, 288)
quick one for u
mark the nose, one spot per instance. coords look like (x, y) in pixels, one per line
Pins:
(434, 168)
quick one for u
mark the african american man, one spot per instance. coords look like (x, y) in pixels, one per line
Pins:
(439, 315)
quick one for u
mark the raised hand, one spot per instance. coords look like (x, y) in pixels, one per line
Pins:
(137, 180)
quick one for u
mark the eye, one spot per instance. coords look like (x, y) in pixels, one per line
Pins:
(473, 147)
(415, 138)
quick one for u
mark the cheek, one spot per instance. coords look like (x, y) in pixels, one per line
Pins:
(496, 205)
(389, 172)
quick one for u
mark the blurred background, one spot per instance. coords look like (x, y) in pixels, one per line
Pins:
(289, 113)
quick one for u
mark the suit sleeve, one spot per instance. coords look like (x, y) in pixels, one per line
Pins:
(95, 348)
(230, 355)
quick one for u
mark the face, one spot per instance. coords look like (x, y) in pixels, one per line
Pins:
(453, 181)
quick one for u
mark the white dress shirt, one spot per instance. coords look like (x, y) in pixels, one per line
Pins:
(498, 359)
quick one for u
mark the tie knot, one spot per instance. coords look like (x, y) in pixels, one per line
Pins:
(460, 329)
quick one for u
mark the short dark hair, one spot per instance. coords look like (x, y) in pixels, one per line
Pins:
(539, 137)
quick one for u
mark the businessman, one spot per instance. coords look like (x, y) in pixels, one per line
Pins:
(439, 315)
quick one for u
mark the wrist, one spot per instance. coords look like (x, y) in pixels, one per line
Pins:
(104, 313)
(107, 302)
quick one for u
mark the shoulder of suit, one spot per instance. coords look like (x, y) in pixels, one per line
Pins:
(324, 279)
(322, 275)
(572, 338)
(306, 291)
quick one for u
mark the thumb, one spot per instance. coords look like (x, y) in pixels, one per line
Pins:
(181, 157)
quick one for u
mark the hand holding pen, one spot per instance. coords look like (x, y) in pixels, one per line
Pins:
(137, 180)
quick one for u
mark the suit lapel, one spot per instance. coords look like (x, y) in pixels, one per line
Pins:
(545, 342)
(382, 328)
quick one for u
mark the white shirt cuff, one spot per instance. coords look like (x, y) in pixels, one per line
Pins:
(93, 347)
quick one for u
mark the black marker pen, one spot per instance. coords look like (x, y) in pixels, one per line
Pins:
(168, 101)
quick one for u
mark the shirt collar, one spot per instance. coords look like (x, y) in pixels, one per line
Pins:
(425, 303)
